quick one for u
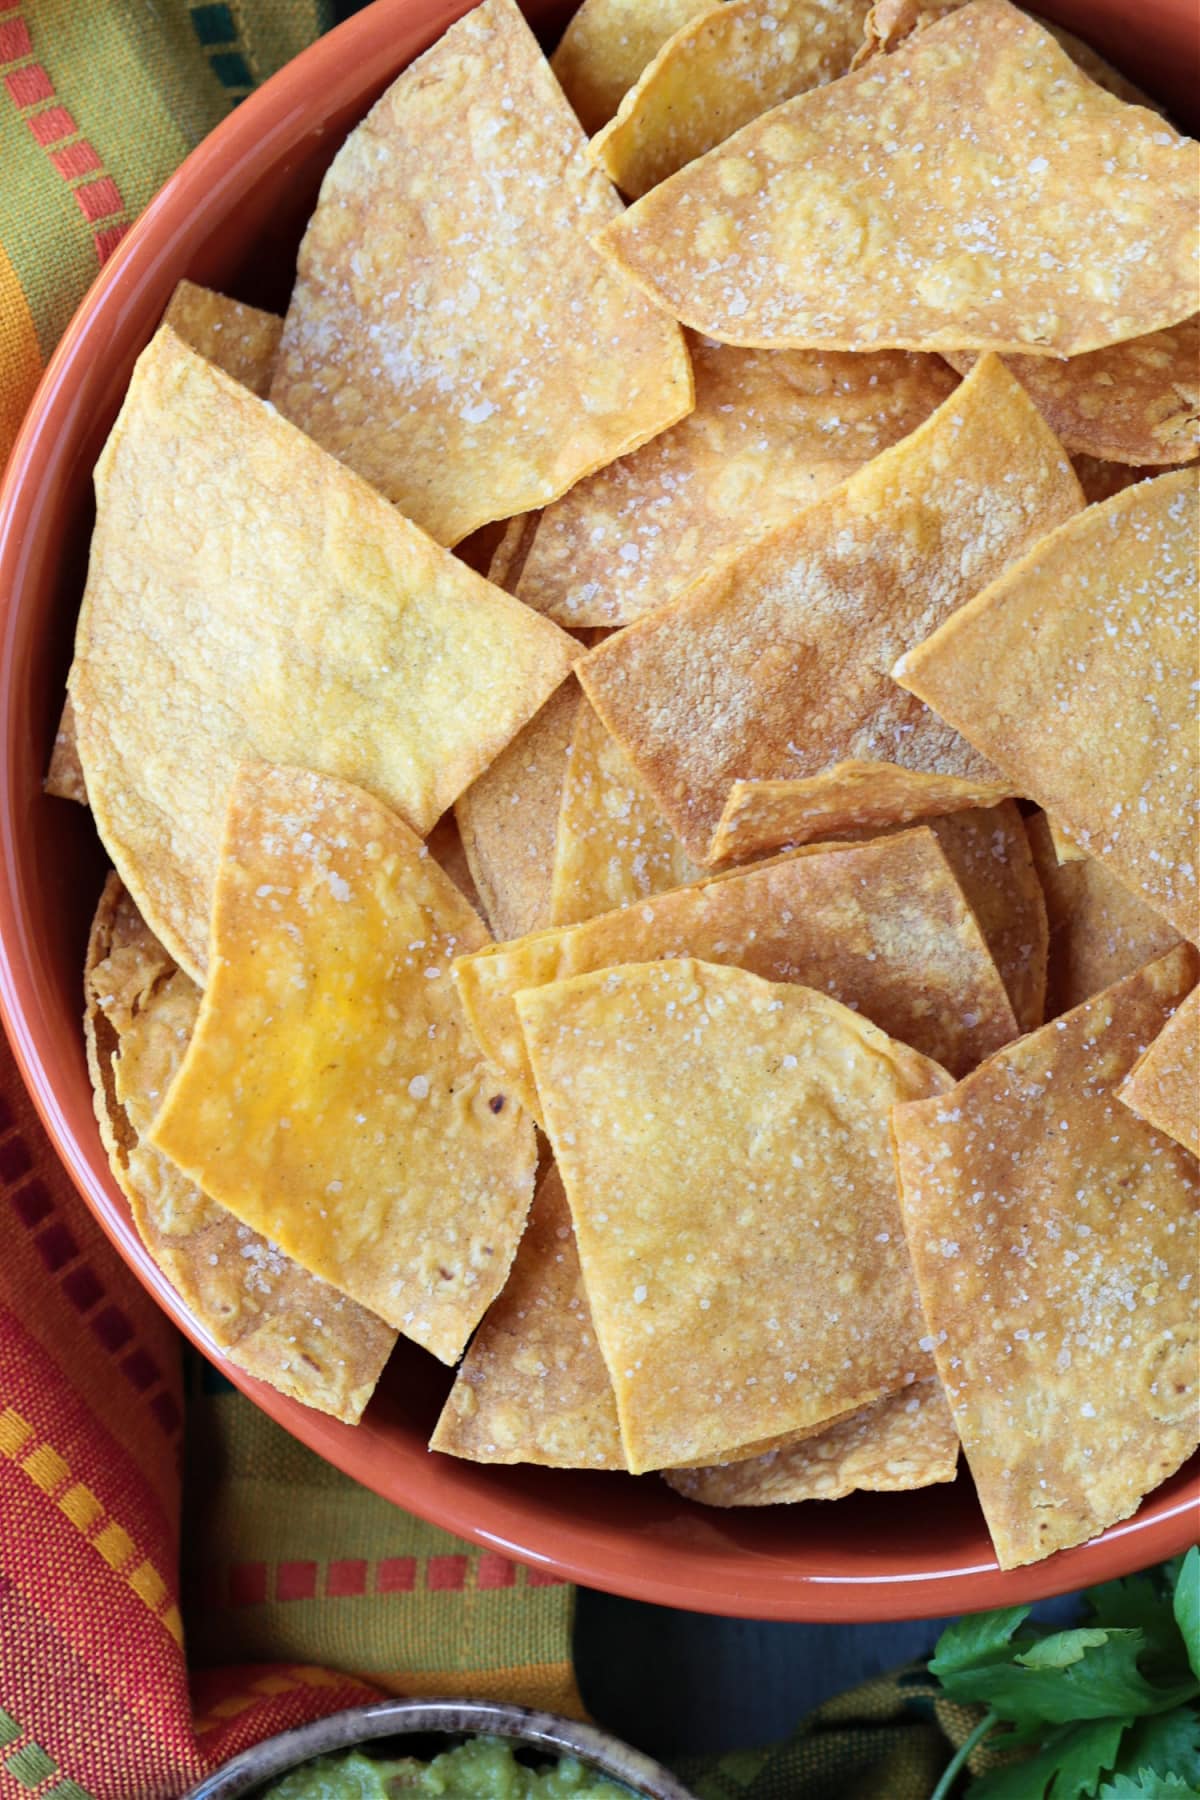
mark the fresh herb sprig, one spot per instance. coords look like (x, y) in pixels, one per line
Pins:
(1107, 1710)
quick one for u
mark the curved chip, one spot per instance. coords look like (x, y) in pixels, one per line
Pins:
(906, 1440)
(1163, 1086)
(778, 665)
(771, 431)
(607, 45)
(247, 596)
(883, 926)
(452, 334)
(863, 215)
(533, 1387)
(613, 846)
(720, 70)
(271, 1317)
(1075, 671)
(331, 1095)
(1055, 1242)
(709, 1126)
(1137, 402)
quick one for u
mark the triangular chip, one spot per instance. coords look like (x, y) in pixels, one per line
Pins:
(1163, 1087)
(613, 846)
(723, 1142)
(452, 335)
(331, 1095)
(1055, 1241)
(1137, 402)
(512, 548)
(533, 1387)
(864, 215)
(509, 818)
(1076, 673)
(64, 776)
(882, 926)
(1099, 931)
(238, 338)
(607, 45)
(247, 596)
(853, 795)
(267, 1314)
(777, 666)
(906, 1440)
(719, 71)
(771, 431)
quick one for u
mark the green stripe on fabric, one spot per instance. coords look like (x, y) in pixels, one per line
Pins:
(271, 32)
(42, 229)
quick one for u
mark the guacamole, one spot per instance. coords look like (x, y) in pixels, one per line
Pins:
(484, 1768)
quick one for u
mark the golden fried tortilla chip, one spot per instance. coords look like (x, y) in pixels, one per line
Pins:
(64, 777)
(267, 1314)
(1100, 932)
(906, 1440)
(882, 926)
(889, 22)
(445, 845)
(1163, 1087)
(247, 596)
(331, 1095)
(854, 795)
(533, 1387)
(711, 1128)
(508, 558)
(1075, 671)
(607, 45)
(1055, 1242)
(720, 70)
(508, 819)
(452, 335)
(1137, 402)
(777, 666)
(771, 430)
(613, 846)
(1065, 847)
(864, 215)
(238, 338)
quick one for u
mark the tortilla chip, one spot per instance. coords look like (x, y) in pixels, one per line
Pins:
(613, 846)
(777, 666)
(708, 1127)
(331, 1095)
(906, 1440)
(607, 45)
(271, 1317)
(248, 596)
(720, 70)
(889, 22)
(445, 845)
(1137, 402)
(863, 216)
(850, 796)
(1163, 1087)
(1076, 672)
(64, 777)
(771, 431)
(533, 1387)
(452, 334)
(882, 926)
(1055, 1241)
(508, 558)
(1065, 847)
(509, 819)
(1099, 931)
(238, 338)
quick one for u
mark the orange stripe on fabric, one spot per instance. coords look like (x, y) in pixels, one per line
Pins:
(20, 362)
(31, 91)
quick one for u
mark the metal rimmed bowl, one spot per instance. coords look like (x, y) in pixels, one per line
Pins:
(412, 1724)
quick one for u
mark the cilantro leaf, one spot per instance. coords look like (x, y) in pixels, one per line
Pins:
(1072, 1681)
(972, 1643)
(1187, 1607)
(1141, 1603)
(1061, 1649)
(1170, 1742)
(1148, 1786)
(1067, 1766)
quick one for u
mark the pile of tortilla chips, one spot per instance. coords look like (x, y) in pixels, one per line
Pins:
(724, 982)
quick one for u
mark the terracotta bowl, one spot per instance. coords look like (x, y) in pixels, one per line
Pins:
(424, 1727)
(232, 217)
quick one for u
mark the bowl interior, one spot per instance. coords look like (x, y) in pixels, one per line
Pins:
(232, 218)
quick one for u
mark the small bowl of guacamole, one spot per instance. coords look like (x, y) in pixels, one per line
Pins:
(441, 1750)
